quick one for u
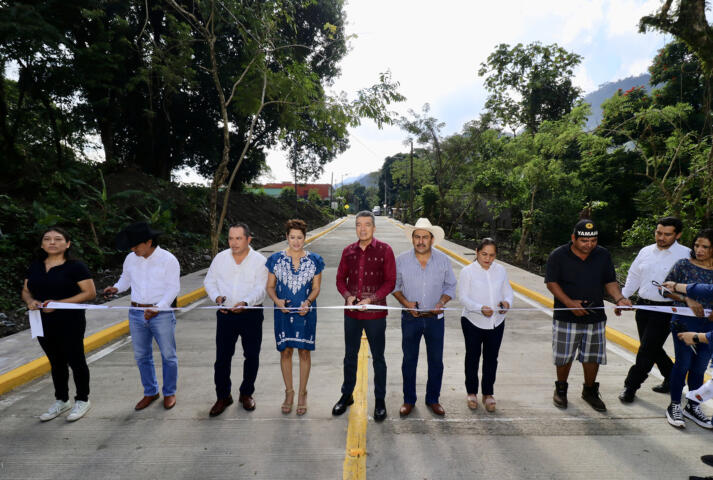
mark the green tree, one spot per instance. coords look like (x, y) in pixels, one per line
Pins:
(529, 84)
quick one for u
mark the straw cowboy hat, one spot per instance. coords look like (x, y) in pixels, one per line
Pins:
(425, 224)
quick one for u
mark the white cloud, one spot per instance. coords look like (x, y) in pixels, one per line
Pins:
(434, 50)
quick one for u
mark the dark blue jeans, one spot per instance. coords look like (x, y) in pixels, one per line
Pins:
(687, 362)
(432, 330)
(487, 341)
(375, 333)
(247, 326)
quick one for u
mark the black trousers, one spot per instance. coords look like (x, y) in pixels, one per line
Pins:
(488, 342)
(654, 328)
(376, 335)
(63, 344)
(247, 326)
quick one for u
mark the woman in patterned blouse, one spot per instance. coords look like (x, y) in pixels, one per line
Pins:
(691, 362)
(293, 284)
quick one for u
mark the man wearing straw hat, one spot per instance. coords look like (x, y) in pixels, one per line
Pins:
(153, 274)
(424, 284)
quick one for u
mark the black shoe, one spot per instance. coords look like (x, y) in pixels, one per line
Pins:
(379, 410)
(707, 459)
(663, 387)
(592, 397)
(560, 396)
(627, 395)
(342, 404)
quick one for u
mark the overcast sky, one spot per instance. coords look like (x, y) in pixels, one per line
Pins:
(434, 50)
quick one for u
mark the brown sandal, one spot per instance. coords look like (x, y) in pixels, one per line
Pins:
(473, 401)
(489, 402)
(302, 407)
(287, 406)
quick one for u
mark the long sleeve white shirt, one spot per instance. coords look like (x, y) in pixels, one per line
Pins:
(155, 280)
(478, 287)
(243, 282)
(652, 264)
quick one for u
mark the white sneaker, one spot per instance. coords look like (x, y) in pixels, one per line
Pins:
(57, 408)
(79, 410)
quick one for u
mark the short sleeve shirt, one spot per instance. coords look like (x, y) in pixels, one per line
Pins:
(61, 281)
(580, 280)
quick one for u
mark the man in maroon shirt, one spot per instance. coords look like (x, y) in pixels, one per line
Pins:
(366, 276)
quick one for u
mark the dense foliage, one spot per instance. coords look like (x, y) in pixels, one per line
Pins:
(527, 177)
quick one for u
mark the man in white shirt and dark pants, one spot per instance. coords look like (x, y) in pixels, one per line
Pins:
(237, 278)
(154, 275)
(652, 264)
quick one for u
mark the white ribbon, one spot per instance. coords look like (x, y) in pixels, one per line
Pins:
(684, 311)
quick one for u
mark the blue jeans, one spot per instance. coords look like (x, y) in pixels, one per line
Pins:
(375, 333)
(686, 361)
(162, 327)
(432, 330)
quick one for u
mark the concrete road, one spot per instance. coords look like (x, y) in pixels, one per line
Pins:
(526, 438)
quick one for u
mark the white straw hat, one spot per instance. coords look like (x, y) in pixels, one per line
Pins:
(425, 224)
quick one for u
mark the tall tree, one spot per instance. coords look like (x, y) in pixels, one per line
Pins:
(272, 72)
(687, 21)
(529, 84)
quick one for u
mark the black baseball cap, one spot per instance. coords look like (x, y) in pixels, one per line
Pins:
(585, 228)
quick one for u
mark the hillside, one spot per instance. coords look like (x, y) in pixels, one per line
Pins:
(178, 210)
(606, 91)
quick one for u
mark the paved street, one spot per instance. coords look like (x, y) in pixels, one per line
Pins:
(526, 438)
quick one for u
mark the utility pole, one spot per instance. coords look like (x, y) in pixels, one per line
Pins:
(386, 198)
(410, 188)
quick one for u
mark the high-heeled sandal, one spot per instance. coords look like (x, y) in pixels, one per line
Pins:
(287, 406)
(489, 402)
(302, 407)
(473, 401)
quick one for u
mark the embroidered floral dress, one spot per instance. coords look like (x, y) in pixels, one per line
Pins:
(295, 285)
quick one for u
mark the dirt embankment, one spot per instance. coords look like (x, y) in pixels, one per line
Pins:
(182, 212)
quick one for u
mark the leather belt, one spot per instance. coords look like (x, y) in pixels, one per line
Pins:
(423, 314)
(142, 305)
(644, 301)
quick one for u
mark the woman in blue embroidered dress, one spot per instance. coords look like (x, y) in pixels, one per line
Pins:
(691, 362)
(293, 284)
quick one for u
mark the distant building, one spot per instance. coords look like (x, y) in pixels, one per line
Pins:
(274, 189)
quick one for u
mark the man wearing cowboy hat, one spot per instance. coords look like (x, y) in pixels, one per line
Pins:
(424, 284)
(153, 274)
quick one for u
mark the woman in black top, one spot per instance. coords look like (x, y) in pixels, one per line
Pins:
(55, 276)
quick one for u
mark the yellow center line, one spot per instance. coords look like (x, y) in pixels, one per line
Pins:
(355, 458)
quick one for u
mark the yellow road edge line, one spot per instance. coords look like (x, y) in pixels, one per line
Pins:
(355, 455)
(615, 336)
(40, 366)
(316, 236)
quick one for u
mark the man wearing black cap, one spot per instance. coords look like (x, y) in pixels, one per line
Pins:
(578, 274)
(153, 274)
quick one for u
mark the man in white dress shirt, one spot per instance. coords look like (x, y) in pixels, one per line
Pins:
(153, 274)
(652, 264)
(237, 278)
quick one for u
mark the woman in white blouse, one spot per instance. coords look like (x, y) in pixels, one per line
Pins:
(486, 295)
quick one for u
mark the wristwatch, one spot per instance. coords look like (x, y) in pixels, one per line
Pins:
(696, 339)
